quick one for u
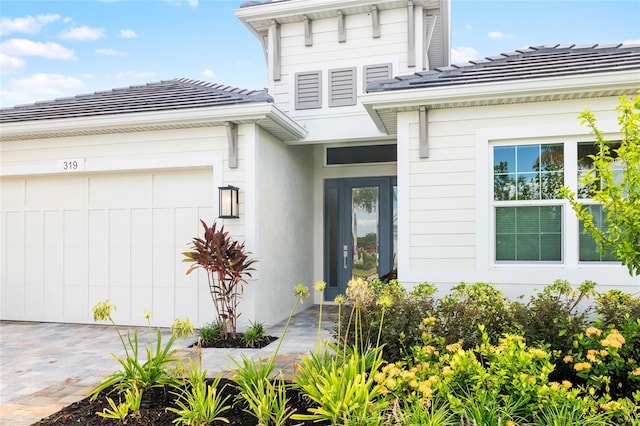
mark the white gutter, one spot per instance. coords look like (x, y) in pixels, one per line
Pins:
(216, 115)
(627, 81)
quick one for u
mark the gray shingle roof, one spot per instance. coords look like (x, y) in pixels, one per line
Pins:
(176, 94)
(530, 63)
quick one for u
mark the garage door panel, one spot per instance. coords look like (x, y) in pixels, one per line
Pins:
(53, 266)
(141, 228)
(163, 307)
(34, 230)
(15, 229)
(121, 297)
(74, 235)
(117, 236)
(186, 301)
(183, 189)
(163, 265)
(187, 226)
(142, 301)
(34, 297)
(53, 229)
(119, 266)
(54, 306)
(119, 190)
(55, 192)
(141, 267)
(119, 228)
(98, 266)
(74, 266)
(98, 228)
(12, 193)
(15, 296)
(163, 228)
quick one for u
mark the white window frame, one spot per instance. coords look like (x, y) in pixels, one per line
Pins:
(493, 204)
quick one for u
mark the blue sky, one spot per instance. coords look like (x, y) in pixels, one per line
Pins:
(51, 49)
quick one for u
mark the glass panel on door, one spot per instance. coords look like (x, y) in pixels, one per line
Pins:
(365, 232)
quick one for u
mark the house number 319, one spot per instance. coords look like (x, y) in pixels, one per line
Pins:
(71, 165)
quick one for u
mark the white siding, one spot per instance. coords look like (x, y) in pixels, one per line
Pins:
(445, 203)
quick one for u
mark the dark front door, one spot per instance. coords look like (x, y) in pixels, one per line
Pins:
(360, 230)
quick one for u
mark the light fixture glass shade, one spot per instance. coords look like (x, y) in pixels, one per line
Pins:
(229, 205)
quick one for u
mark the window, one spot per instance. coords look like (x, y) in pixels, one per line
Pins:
(362, 154)
(589, 250)
(308, 90)
(528, 215)
(530, 220)
(342, 87)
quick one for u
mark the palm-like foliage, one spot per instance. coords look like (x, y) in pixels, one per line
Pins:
(227, 265)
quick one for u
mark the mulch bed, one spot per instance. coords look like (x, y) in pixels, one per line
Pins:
(153, 410)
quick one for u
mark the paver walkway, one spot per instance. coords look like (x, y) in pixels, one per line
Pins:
(47, 366)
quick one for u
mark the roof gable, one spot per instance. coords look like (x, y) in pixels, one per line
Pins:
(176, 94)
(523, 64)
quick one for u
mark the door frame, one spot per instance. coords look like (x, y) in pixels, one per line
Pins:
(337, 229)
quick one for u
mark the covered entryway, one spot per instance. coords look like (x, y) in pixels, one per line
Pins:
(360, 230)
(69, 241)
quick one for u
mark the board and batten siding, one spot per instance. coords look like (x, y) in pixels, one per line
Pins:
(115, 228)
(334, 121)
(445, 199)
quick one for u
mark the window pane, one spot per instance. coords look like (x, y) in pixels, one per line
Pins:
(539, 172)
(589, 250)
(585, 162)
(531, 233)
(527, 158)
(504, 159)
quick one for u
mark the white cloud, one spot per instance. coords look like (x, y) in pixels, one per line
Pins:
(27, 25)
(9, 64)
(135, 74)
(468, 27)
(40, 87)
(209, 73)
(499, 35)
(82, 33)
(110, 52)
(192, 3)
(128, 34)
(24, 47)
(462, 54)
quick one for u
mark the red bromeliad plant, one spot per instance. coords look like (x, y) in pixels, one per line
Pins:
(226, 264)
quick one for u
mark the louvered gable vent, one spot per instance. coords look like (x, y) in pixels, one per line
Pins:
(308, 90)
(376, 72)
(342, 87)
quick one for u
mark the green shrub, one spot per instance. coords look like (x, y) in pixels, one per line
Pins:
(554, 315)
(210, 331)
(403, 317)
(467, 306)
(617, 307)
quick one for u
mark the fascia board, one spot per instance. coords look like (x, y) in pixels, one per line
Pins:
(170, 118)
(624, 81)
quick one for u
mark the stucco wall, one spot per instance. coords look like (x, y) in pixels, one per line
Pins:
(284, 225)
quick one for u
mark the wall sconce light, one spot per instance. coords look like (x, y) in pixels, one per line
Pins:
(229, 206)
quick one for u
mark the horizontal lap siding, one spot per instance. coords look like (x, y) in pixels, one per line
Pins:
(442, 196)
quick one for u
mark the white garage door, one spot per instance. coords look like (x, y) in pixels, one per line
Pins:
(71, 241)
